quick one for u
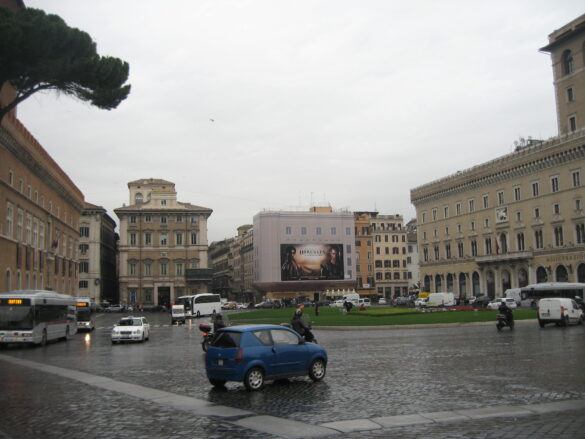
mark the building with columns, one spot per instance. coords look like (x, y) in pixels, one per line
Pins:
(518, 219)
(163, 245)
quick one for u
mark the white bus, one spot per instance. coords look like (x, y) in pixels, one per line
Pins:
(36, 316)
(531, 294)
(198, 305)
(84, 314)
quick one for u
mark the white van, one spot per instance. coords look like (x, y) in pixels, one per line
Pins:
(557, 310)
(441, 299)
(353, 298)
(178, 314)
(366, 302)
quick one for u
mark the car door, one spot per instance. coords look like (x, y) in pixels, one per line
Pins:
(290, 355)
(146, 327)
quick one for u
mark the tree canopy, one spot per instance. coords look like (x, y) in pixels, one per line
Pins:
(40, 51)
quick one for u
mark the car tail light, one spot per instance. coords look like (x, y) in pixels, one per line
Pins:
(239, 356)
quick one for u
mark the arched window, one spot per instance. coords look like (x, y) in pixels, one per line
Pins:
(437, 283)
(567, 62)
(581, 273)
(450, 282)
(490, 284)
(506, 280)
(462, 285)
(561, 274)
(541, 275)
(522, 278)
(138, 198)
(427, 283)
(475, 283)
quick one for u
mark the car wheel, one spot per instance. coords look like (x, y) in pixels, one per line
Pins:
(254, 379)
(143, 338)
(317, 370)
(217, 383)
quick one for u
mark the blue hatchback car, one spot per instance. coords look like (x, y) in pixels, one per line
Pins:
(253, 354)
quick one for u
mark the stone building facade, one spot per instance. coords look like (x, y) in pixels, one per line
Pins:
(40, 209)
(163, 245)
(518, 219)
(98, 247)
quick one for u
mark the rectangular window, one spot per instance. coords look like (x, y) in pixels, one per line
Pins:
(576, 179)
(458, 209)
(178, 238)
(163, 239)
(556, 209)
(448, 251)
(179, 269)
(471, 205)
(518, 216)
(578, 204)
(83, 284)
(348, 231)
(163, 202)
(434, 214)
(446, 212)
(538, 241)
(472, 226)
(163, 219)
(288, 230)
(424, 217)
(163, 269)
(148, 238)
(132, 219)
(520, 242)
(179, 219)
(558, 236)
(84, 267)
(486, 201)
(132, 238)
(84, 231)
(573, 123)
(500, 198)
(148, 270)
(436, 249)
(460, 249)
(580, 229)
(333, 230)
(303, 230)
(536, 212)
(535, 189)
(319, 231)
(517, 193)
(148, 218)
(570, 96)
(473, 248)
(554, 183)
(9, 219)
(488, 246)
(193, 238)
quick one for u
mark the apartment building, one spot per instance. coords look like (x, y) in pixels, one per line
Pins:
(163, 245)
(518, 219)
(98, 243)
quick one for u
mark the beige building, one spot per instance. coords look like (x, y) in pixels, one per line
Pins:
(163, 245)
(242, 263)
(221, 263)
(98, 242)
(567, 50)
(518, 219)
(389, 241)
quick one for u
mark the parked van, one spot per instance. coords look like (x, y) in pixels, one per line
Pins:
(561, 311)
(352, 297)
(513, 293)
(441, 299)
(178, 314)
(366, 302)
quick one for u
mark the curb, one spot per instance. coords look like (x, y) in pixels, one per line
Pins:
(431, 325)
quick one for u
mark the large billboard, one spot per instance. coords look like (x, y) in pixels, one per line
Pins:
(311, 261)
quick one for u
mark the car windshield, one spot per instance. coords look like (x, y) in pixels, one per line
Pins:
(227, 339)
(130, 322)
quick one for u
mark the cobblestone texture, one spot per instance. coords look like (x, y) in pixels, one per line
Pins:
(370, 373)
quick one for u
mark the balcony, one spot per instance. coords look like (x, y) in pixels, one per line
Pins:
(504, 257)
(199, 274)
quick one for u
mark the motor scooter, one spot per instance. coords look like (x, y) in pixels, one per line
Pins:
(503, 321)
(208, 335)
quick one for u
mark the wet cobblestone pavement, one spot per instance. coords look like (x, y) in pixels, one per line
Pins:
(371, 373)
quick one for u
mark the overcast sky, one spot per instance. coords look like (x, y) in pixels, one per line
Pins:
(253, 105)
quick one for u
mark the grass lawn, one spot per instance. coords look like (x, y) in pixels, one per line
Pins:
(372, 317)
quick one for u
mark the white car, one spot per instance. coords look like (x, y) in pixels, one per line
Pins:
(131, 329)
(382, 301)
(509, 301)
(421, 303)
(242, 306)
(338, 304)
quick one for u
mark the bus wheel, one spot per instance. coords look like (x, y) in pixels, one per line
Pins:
(198, 314)
(44, 338)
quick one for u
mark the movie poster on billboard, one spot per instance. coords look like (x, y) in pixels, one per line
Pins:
(311, 262)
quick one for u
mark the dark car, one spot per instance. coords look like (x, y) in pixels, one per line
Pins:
(481, 302)
(253, 354)
(265, 305)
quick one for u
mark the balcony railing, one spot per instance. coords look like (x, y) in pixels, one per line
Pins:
(504, 257)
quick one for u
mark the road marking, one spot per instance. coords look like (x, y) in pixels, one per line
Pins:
(288, 428)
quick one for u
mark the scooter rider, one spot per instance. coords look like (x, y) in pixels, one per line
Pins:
(505, 310)
(218, 322)
(299, 325)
